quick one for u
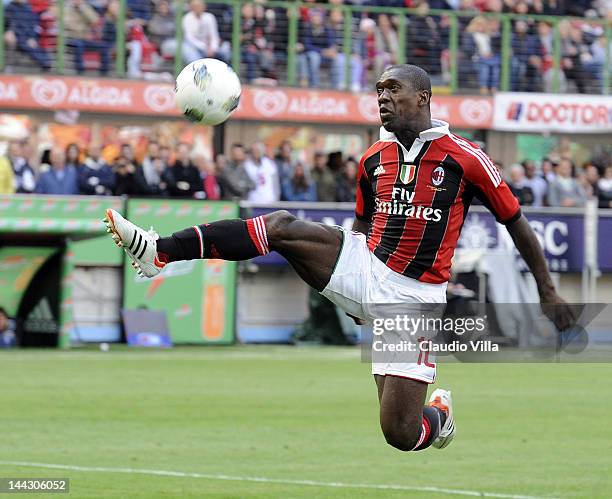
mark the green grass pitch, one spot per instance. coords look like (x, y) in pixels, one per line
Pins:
(299, 419)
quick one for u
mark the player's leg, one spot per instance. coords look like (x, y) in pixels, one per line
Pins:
(311, 248)
(407, 423)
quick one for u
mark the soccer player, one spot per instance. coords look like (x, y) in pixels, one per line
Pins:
(415, 186)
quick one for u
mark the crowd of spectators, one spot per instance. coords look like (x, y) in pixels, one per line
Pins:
(251, 174)
(245, 173)
(561, 183)
(90, 33)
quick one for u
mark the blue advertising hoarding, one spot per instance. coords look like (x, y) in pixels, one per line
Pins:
(561, 234)
(604, 243)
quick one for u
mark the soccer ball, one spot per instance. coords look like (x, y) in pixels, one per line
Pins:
(207, 91)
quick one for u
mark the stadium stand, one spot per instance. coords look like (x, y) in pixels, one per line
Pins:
(468, 46)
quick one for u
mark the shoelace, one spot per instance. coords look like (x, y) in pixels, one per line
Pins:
(437, 402)
(153, 234)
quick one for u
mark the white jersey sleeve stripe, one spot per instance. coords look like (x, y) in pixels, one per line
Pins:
(488, 166)
(484, 160)
(260, 230)
(263, 229)
(480, 153)
(201, 240)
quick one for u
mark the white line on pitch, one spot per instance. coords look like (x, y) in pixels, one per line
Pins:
(282, 481)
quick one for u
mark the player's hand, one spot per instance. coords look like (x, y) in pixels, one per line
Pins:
(558, 311)
(358, 321)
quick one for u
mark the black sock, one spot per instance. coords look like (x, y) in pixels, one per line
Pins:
(226, 239)
(433, 421)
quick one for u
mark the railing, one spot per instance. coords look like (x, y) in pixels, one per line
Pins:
(555, 55)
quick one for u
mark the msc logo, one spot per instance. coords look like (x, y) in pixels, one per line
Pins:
(407, 173)
(514, 111)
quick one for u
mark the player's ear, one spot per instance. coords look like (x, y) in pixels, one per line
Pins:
(424, 97)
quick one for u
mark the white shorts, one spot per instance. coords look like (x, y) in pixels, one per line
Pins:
(360, 282)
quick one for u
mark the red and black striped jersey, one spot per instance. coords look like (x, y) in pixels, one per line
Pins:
(416, 200)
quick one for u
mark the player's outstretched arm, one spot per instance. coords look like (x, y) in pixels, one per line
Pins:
(553, 306)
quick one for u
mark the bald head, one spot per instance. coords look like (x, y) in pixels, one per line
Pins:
(417, 77)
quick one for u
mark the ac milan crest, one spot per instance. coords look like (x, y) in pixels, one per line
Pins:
(437, 176)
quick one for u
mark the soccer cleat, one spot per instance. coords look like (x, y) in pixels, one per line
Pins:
(140, 245)
(443, 400)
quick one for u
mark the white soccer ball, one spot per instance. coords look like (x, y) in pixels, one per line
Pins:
(207, 91)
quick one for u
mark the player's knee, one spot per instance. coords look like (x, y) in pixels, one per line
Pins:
(278, 225)
(402, 437)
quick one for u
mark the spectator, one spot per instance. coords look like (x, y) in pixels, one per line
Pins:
(23, 175)
(338, 58)
(369, 32)
(564, 190)
(96, 176)
(467, 6)
(335, 163)
(387, 45)
(548, 169)
(59, 178)
(323, 178)
(604, 187)
(262, 171)
(546, 7)
(298, 187)
(201, 34)
(316, 40)
(182, 178)
(526, 59)
(8, 338)
(545, 37)
(519, 187)
(576, 7)
(142, 52)
(139, 10)
(284, 164)
(496, 6)
(73, 156)
(424, 44)
(161, 29)
(220, 163)
(209, 186)
(574, 52)
(598, 62)
(85, 33)
(482, 44)
(109, 24)
(7, 182)
(233, 178)
(257, 50)
(536, 183)
(152, 171)
(165, 154)
(22, 31)
(590, 183)
(347, 182)
(127, 173)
